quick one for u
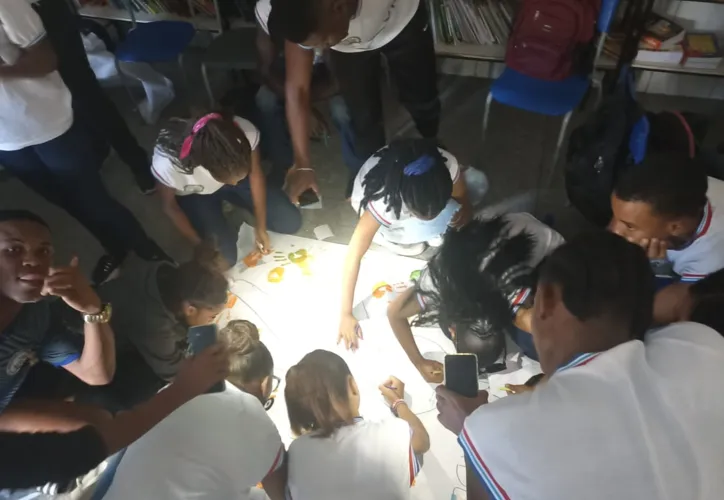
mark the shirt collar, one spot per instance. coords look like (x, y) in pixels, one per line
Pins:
(357, 420)
(705, 223)
(578, 360)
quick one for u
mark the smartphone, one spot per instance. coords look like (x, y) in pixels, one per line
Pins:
(200, 338)
(461, 374)
(308, 197)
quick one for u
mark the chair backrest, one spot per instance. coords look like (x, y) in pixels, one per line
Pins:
(603, 25)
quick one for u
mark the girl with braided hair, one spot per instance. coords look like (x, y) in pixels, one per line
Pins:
(476, 288)
(406, 194)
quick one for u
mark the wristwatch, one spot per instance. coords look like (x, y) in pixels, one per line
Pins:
(102, 317)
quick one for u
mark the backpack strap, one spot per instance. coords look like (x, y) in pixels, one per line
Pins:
(689, 133)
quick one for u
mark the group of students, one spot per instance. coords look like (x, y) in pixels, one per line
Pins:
(622, 409)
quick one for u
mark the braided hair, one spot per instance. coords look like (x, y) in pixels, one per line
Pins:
(474, 275)
(221, 147)
(412, 171)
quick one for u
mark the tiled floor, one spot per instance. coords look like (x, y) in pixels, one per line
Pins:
(515, 156)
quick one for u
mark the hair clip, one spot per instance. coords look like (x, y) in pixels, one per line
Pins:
(200, 124)
(419, 166)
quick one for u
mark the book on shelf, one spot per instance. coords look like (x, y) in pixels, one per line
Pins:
(702, 50)
(661, 33)
(479, 22)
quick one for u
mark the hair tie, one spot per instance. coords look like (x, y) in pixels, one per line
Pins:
(200, 124)
(419, 166)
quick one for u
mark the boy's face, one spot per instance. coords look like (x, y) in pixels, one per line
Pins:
(636, 220)
(26, 254)
(199, 316)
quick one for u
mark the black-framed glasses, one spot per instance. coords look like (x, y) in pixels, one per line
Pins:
(276, 382)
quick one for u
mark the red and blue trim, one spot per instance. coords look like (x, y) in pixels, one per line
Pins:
(579, 360)
(495, 490)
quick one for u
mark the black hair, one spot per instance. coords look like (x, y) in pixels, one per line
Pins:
(601, 275)
(249, 358)
(293, 20)
(221, 147)
(426, 191)
(193, 283)
(708, 301)
(18, 214)
(474, 275)
(673, 184)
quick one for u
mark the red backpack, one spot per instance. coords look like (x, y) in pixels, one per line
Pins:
(548, 34)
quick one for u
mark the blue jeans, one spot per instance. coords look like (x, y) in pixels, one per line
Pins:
(276, 144)
(65, 171)
(206, 215)
(524, 340)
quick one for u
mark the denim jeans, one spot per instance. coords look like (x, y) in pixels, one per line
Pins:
(65, 171)
(276, 144)
(206, 215)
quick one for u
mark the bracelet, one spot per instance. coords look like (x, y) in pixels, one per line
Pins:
(303, 169)
(397, 403)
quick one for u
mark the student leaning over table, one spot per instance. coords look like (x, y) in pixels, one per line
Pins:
(618, 417)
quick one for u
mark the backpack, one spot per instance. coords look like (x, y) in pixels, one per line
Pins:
(548, 37)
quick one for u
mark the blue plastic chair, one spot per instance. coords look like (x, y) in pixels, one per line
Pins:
(154, 42)
(552, 98)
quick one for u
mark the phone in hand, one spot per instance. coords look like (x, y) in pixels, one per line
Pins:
(308, 197)
(200, 338)
(461, 374)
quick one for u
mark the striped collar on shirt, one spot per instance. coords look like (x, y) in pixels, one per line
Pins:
(704, 225)
(578, 360)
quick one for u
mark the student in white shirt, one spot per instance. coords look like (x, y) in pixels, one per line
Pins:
(358, 33)
(474, 287)
(700, 302)
(217, 446)
(406, 194)
(618, 417)
(48, 150)
(338, 454)
(198, 164)
(669, 207)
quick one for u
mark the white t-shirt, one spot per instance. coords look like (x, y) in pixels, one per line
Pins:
(376, 23)
(384, 214)
(200, 181)
(705, 255)
(639, 421)
(545, 240)
(362, 461)
(32, 110)
(216, 446)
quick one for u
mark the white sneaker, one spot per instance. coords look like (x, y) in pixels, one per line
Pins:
(405, 250)
(435, 242)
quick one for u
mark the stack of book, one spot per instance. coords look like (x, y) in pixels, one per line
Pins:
(481, 22)
(661, 42)
(702, 51)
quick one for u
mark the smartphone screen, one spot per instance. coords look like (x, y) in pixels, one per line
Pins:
(200, 338)
(307, 198)
(461, 374)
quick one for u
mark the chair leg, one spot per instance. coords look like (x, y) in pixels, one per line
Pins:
(559, 143)
(207, 84)
(486, 114)
(124, 81)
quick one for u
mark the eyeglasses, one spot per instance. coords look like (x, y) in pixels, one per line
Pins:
(276, 381)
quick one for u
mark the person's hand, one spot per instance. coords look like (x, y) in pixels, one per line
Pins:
(198, 373)
(655, 248)
(392, 390)
(208, 255)
(262, 241)
(350, 332)
(518, 389)
(431, 370)
(69, 284)
(299, 180)
(453, 408)
(463, 215)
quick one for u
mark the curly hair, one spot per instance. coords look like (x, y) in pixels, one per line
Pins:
(249, 358)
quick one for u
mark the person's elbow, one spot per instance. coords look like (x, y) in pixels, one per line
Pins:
(46, 60)
(420, 441)
(102, 375)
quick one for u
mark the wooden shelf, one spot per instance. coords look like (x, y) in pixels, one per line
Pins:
(496, 53)
(203, 23)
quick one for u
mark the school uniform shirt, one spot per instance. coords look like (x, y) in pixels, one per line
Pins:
(200, 181)
(36, 334)
(216, 446)
(32, 110)
(638, 421)
(376, 23)
(705, 254)
(140, 319)
(361, 461)
(545, 240)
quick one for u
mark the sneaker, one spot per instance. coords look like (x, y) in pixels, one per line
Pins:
(435, 242)
(146, 183)
(405, 250)
(107, 268)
